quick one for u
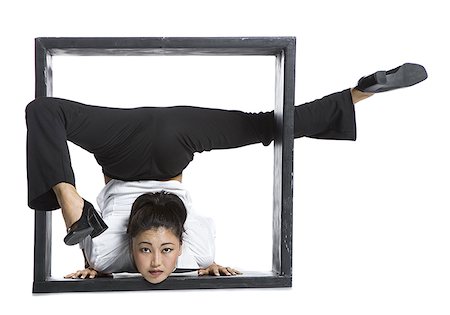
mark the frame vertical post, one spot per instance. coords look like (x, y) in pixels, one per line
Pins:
(43, 219)
(283, 161)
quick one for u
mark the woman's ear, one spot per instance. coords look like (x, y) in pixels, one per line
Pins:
(181, 248)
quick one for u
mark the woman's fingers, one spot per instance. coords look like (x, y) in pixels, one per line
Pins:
(68, 276)
(228, 271)
(214, 270)
(89, 273)
(82, 274)
(224, 271)
(233, 271)
(217, 270)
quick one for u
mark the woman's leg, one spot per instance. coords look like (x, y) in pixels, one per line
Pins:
(48, 159)
(156, 143)
(358, 96)
(70, 202)
(51, 122)
(331, 117)
(51, 182)
(187, 130)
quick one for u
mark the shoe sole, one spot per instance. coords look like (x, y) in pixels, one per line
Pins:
(406, 75)
(75, 237)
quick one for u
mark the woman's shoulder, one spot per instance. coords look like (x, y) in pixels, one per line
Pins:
(109, 252)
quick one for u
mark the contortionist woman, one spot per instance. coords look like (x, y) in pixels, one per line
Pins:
(145, 222)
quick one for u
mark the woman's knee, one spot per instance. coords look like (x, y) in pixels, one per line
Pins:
(40, 106)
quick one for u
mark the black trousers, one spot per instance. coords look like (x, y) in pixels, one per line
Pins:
(152, 143)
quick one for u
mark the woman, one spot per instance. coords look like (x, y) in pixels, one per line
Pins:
(144, 150)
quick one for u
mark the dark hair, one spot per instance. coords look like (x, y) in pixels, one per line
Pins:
(154, 210)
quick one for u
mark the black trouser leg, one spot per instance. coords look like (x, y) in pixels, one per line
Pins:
(199, 129)
(331, 117)
(48, 160)
(51, 122)
(156, 143)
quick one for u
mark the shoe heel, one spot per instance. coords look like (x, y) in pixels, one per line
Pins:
(96, 222)
(81, 228)
(380, 77)
(378, 81)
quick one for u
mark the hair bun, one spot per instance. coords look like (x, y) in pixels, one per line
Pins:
(154, 210)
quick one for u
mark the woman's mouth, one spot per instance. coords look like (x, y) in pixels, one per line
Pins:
(155, 273)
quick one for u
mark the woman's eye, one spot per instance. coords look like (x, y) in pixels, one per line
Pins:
(167, 250)
(145, 250)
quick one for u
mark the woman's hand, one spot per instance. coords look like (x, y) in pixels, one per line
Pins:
(83, 274)
(217, 270)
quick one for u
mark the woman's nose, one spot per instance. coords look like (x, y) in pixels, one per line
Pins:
(156, 260)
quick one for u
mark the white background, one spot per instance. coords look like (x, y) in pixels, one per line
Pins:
(371, 217)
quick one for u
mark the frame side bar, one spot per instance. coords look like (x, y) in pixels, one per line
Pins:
(288, 160)
(283, 161)
(42, 219)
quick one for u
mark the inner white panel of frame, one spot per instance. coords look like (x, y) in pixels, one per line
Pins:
(234, 187)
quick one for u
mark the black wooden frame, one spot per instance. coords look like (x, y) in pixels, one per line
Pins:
(283, 48)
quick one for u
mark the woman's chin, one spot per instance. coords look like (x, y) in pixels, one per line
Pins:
(155, 279)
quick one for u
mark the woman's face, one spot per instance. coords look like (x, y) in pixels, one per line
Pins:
(155, 253)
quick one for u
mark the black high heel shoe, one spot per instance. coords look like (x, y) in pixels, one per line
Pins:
(405, 75)
(90, 223)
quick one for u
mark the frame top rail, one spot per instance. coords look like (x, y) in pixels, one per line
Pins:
(127, 46)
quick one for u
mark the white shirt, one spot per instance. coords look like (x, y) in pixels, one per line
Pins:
(109, 252)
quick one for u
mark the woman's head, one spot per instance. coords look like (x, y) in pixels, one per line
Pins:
(155, 229)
